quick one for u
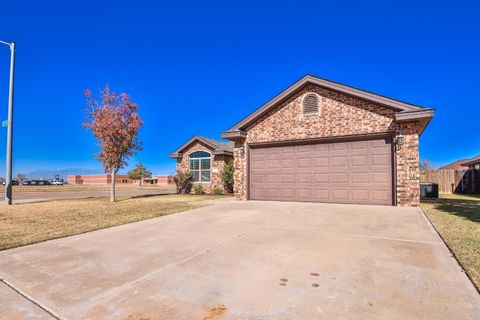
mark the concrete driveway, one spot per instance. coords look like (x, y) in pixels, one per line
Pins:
(245, 260)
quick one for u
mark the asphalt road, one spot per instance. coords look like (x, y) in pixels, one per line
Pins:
(21, 197)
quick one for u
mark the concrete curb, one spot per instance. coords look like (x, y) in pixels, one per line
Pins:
(450, 250)
(30, 299)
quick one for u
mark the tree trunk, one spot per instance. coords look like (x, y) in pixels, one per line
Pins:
(112, 190)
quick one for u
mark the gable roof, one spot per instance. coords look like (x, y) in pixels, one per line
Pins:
(405, 111)
(471, 162)
(454, 165)
(218, 147)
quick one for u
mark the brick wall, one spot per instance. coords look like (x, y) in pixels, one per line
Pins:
(408, 166)
(339, 115)
(217, 163)
(98, 179)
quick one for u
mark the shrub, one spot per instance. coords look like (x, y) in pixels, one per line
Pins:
(198, 188)
(217, 191)
(227, 176)
(183, 180)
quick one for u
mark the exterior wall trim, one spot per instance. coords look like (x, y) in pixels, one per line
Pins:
(370, 136)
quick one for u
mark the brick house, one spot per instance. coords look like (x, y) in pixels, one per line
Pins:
(323, 141)
(98, 179)
(473, 163)
(205, 159)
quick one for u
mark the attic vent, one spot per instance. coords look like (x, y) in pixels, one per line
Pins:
(310, 104)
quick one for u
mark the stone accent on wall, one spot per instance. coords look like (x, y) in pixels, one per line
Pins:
(240, 172)
(217, 164)
(408, 169)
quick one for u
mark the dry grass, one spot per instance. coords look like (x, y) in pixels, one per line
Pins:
(457, 219)
(85, 187)
(27, 223)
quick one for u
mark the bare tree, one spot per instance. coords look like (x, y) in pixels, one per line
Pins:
(426, 165)
(21, 177)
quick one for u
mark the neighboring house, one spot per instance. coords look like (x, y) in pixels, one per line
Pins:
(457, 165)
(473, 163)
(205, 159)
(98, 179)
(119, 179)
(323, 141)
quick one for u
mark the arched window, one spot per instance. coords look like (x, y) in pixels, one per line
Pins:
(200, 166)
(310, 104)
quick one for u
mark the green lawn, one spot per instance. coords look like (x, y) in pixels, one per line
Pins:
(457, 219)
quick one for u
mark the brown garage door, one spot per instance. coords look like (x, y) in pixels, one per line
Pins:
(341, 172)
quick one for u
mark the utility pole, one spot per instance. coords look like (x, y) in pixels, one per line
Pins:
(8, 172)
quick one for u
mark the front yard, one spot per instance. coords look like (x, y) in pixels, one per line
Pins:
(27, 223)
(457, 219)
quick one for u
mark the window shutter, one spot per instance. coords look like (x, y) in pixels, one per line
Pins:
(310, 104)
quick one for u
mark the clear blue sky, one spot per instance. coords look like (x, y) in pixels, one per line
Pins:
(198, 67)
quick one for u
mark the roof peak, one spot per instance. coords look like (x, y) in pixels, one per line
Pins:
(218, 147)
(397, 105)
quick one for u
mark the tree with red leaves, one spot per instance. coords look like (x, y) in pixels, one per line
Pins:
(115, 122)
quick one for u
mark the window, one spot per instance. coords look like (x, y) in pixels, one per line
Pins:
(310, 104)
(200, 166)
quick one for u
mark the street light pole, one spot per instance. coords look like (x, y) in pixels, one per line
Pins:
(8, 172)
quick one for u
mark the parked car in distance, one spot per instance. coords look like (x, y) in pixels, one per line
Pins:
(58, 182)
(14, 183)
(39, 183)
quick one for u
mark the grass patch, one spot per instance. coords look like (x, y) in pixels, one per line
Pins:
(28, 223)
(457, 219)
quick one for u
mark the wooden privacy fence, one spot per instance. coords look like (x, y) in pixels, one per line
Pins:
(453, 181)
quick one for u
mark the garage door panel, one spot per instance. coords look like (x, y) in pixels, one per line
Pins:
(345, 172)
(359, 161)
(380, 177)
(321, 178)
(321, 195)
(303, 148)
(380, 160)
(360, 195)
(304, 194)
(339, 161)
(359, 177)
(288, 163)
(273, 178)
(288, 149)
(339, 146)
(321, 162)
(339, 195)
(288, 178)
(359, 145)
(380, 196)
(321, 148)
(303, 163)
(288, 194)
(273, 163)
(303, 178)
(336, 178)
(257, 178)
